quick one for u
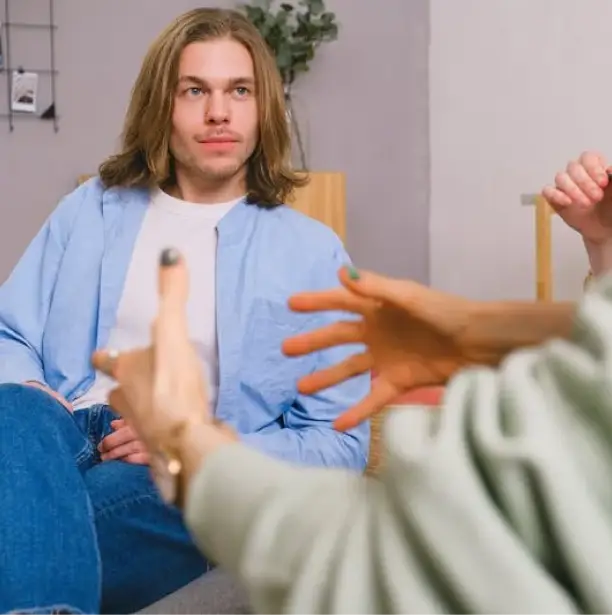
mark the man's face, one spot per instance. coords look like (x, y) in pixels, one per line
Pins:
(214, 123)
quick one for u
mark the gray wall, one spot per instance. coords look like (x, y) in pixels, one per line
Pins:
(367, 100)
(518, 88)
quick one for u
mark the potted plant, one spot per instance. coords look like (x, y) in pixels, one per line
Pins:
(293, 31)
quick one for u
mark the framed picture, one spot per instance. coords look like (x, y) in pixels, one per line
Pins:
(24, 91)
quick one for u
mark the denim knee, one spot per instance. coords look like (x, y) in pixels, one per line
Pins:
(27, 403)
(28, 414)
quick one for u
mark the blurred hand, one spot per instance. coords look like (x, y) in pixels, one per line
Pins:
(582, 196)
(412, 334)
(62, 400)
(161, 388)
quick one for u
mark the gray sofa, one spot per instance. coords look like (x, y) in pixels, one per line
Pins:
(215, 592)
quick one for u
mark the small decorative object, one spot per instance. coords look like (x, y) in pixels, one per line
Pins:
(293, 31)
(48, 113)
(24, 91)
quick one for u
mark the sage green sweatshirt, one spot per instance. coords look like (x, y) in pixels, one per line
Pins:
(499, 502)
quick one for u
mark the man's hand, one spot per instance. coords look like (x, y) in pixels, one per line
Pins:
(123, 445)
(582, 196)
(62, 400)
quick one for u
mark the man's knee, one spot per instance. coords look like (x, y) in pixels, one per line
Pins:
(23, 401)
(31, 417)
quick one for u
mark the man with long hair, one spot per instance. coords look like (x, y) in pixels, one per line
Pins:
(202, 166)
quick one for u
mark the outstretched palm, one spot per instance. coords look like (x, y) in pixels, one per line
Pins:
(411, 336)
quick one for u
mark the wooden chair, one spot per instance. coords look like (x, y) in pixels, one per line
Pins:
(543, 238)
(544, 268)
(324, 199)
(425, 396)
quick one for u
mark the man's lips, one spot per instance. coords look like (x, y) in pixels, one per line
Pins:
(219, 144)
(224, 139)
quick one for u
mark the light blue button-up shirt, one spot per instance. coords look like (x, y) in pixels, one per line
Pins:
(60, 303)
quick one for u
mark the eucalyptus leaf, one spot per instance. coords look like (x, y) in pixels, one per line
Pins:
(317, 7)
(255, 14)
(284, 58)
(301, 67)
(293, 31)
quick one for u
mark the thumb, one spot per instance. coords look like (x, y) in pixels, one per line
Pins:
(375, 286)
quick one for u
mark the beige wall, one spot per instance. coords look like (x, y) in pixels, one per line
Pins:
(517, 87)
(367, 99)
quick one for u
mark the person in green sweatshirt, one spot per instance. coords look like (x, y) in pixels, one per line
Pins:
(500, 501)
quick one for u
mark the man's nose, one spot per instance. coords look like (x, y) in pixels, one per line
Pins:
(218, 109)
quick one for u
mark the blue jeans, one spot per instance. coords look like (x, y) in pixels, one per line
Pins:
(78, 534)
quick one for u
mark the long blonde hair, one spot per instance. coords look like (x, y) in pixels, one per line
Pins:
(145, 159)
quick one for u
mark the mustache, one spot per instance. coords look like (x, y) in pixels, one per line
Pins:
(218, 134)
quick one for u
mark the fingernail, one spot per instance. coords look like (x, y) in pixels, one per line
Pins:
(353, 273)
(169, 257)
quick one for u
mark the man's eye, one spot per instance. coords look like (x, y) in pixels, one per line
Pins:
(194, 91)
(242, 91)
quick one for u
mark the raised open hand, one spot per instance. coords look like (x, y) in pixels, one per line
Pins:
(413, 337)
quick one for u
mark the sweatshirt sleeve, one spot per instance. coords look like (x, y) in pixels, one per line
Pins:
(500, 501)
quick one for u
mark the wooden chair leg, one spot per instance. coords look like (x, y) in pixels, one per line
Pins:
(544, 281)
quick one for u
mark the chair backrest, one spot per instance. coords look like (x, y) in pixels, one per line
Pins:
(543, 259)
(423, 397)
(324, 198)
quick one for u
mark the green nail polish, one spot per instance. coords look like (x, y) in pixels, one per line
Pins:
(169, 257)
(353, 273)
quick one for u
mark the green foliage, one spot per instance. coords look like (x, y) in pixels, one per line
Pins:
(293, 32)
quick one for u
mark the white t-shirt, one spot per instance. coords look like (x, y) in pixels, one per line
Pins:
(191, 228)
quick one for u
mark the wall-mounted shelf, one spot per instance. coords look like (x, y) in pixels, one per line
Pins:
(23, 24)
(18, 116)
(10, 66)
(27, 69)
